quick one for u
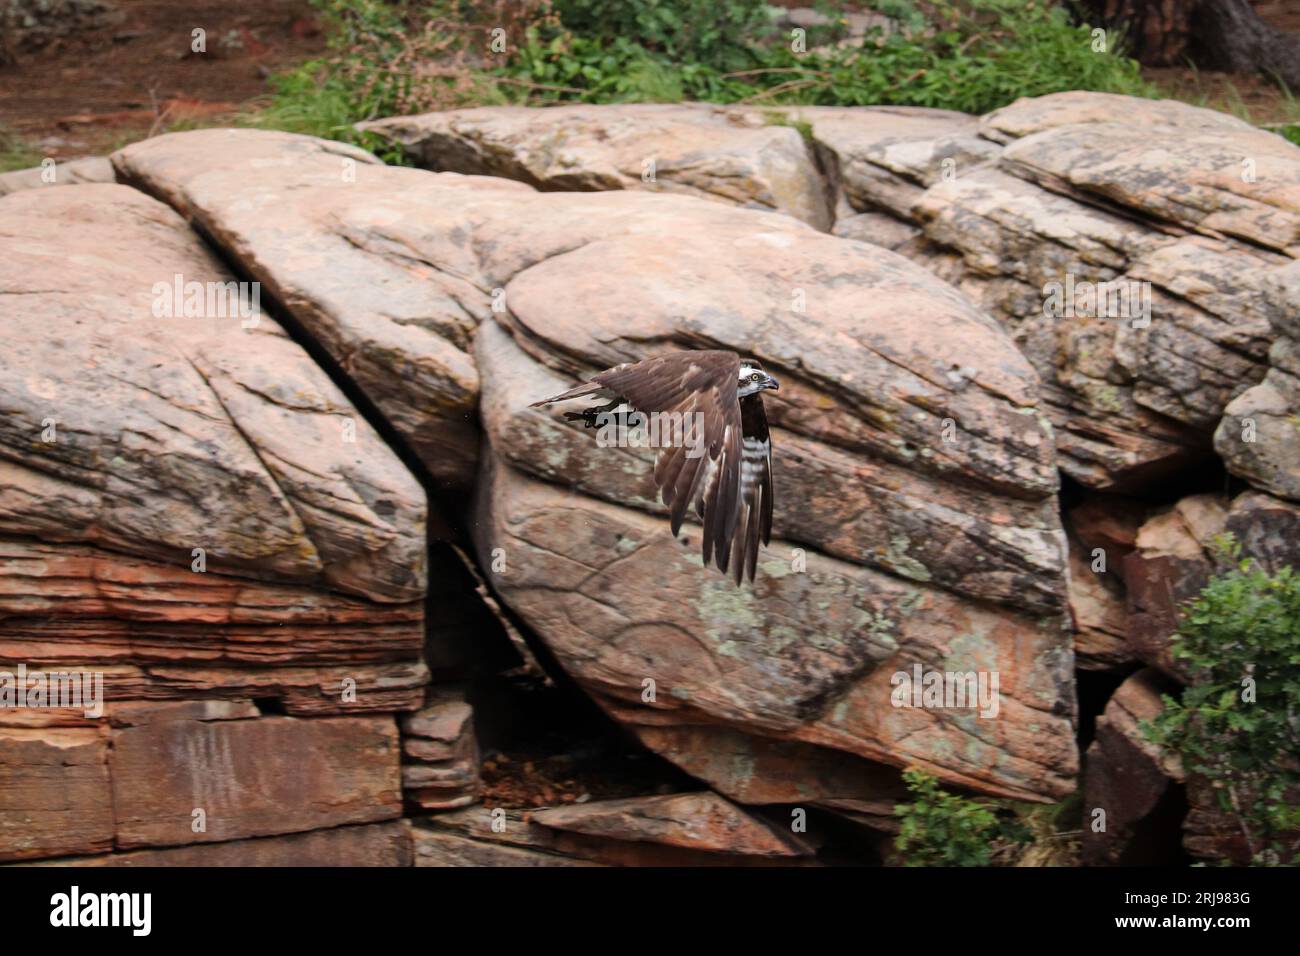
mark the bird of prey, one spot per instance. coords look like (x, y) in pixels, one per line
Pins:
(728, 478)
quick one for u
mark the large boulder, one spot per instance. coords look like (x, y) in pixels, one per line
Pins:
(396, 321)
(197, 523)
(142, 423)
(1131, 796)
(735, 156)
(1259, 437)
(1046, 191)
(1173, 561)
(93, 169)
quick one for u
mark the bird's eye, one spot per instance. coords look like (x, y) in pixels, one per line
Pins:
(755, 377)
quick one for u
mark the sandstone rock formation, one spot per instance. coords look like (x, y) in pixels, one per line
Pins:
(193, 513)
(222, 514)
(694, 149)
(441, 770)
(94, 169)
(1173, 561)
(1129, 803)
(1034, 193)
(994, 483)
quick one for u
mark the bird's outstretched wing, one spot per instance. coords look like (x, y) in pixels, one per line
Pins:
(727, 471)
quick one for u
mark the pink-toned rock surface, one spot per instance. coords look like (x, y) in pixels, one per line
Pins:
(344, 770)
(193, 516)
(710, 152)
(693, 821)
(369, 845)
(1128, 778)
(55, 798)
(156, 434)
(1173, 561)
(396, 318)
(804, 656)
(440, 752)
(1000, 206)
(887, 362)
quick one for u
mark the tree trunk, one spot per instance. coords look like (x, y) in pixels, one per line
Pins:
(1157, 32)
(1217, 34)
(1229, 35)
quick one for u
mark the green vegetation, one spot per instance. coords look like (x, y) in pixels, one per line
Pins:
(1238, 723)
(15, 153)
(400, 56)
(938, 828)
(973, 56)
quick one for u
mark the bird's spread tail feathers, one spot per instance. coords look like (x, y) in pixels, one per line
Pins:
(590, 388)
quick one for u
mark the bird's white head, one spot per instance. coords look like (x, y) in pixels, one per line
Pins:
(753, 380)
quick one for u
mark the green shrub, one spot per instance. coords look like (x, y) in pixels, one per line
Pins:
(1237, 725)
(714, 32)
(974, 56)
(942, 829)
(938, 828)
(15, 152)
(388, 57)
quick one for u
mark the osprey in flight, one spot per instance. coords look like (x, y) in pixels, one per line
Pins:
(728, 475)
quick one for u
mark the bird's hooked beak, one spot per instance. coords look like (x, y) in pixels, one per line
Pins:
(771, 383)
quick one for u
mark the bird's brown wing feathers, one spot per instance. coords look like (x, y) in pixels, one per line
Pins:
(728, 481)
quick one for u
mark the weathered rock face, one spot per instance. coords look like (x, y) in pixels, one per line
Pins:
(690, 829)
(1173, 561)
(371, 844)
(899, 492)
(193, 517)
(918, 433)
(734, 156)
(807, 656)
(138, 426)
(1131, 781)
(1267, 528)
(179, 773)
(440, 753)
(1103, 532)
(397, 324)
(164, 770)
(1259, 437)
(1100, 617)
(872, 393)
(94, 169)
(1192, 177)
(1025, 117)
(694, 821)
(28, 25)
(1046, 192)
(993, 487)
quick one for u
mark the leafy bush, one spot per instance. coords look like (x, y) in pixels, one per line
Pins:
(942, 829)
(388, 57)
(402, 56)
(938, 828)
(16, 153)
(714, 32)
(973, 56)
(1238, 723)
